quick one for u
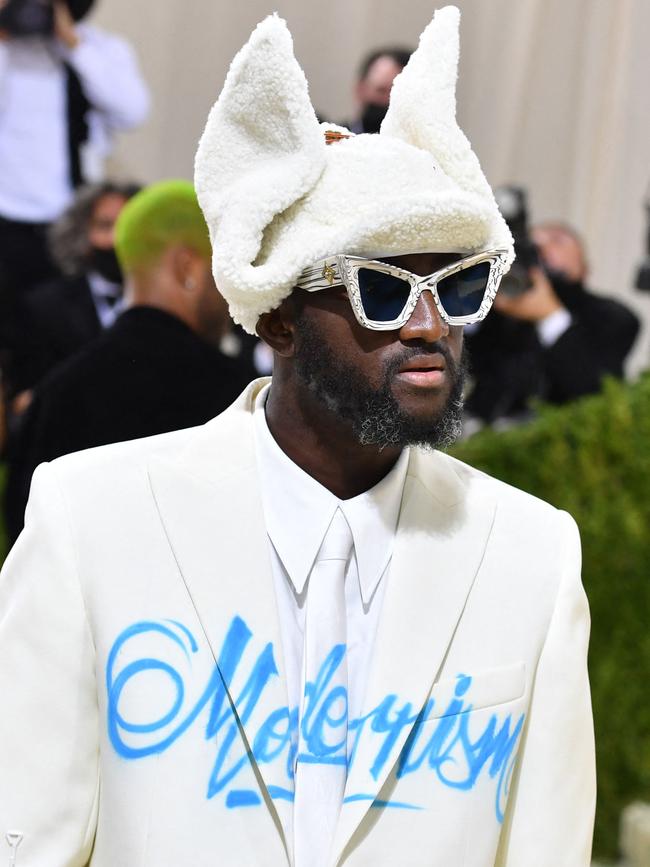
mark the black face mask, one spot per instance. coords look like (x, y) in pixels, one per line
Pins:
(80, 8)
(373, 115)
(105, 263)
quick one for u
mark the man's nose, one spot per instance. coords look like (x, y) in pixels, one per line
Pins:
(425, 323)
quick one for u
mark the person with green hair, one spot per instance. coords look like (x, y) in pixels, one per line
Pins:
(164, 214)
(163, 245)
(159, 368)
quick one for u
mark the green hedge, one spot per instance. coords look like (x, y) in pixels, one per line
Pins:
(593, 459)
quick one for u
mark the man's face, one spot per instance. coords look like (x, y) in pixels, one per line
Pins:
(394, 387)
(373, 92)
(561, 251)
(101, 230)
(375, 88)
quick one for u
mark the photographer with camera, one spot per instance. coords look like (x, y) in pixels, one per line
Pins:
(548, 336)
(65, 89)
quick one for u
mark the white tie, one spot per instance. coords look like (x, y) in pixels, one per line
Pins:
(321, 769)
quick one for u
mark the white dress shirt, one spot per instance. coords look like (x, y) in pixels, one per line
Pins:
(103, 292)
(297, 512)
(34, 161)
(552, 327)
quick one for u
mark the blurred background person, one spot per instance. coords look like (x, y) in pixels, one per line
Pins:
(548, 337)
(65, 89)
(57, 318)
(372, 91)
(599, 318)
(158, 368)
(562, 250)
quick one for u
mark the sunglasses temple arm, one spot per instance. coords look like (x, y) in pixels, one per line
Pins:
(317, 285)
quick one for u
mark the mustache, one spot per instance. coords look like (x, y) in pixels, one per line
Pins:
(436, 348)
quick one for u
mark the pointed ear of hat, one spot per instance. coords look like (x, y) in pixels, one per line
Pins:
(422, 111)
(261, 151)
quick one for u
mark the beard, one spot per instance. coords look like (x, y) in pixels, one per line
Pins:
(373, 413)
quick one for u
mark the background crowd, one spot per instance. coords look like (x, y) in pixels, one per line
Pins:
(112, 328)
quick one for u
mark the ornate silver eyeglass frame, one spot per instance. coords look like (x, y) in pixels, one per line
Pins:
(343, 270)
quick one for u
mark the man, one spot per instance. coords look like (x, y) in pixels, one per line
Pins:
(372, 91)
(66, 88)
(60, 317)
(555, 342)
(158, 368)
(561, 250)
(293, 636)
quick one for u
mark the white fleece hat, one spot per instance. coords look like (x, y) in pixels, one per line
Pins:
(277, 198)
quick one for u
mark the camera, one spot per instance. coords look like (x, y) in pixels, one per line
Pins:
(27, 18)
(36, 17)
(513, 205)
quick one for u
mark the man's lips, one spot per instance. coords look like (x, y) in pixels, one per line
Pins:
(424, 370)
(435, 361)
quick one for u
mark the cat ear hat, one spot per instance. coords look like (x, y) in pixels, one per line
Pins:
(277, 196)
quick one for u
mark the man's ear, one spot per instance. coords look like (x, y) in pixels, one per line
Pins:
(187, 267)
(277, 328)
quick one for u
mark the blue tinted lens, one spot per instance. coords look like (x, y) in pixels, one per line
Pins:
(462, 294)
(383, 296)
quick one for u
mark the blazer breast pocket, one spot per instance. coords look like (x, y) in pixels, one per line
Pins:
(470, 691)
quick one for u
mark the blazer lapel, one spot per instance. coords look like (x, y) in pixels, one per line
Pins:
(210, 506)
(441, 537)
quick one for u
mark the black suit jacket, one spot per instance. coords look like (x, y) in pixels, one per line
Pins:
(510, 366)
(56, 320)
(147, 374)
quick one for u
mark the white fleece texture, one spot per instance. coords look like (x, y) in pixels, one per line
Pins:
(277, 198)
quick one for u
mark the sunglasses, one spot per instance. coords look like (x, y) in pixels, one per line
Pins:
(383, 296)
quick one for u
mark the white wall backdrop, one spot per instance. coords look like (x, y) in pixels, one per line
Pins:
(553, 95)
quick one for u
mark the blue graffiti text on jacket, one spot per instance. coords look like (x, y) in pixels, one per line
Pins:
(445, 742)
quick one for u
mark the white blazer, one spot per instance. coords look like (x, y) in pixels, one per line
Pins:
(145, 717)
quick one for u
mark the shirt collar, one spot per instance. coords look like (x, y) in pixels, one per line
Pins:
(298, 511)
(103, 288)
